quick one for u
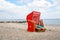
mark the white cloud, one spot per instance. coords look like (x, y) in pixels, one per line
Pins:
(41, 6)
(21, 11)
(12, 8)
(41, 3)
(56, 2)
(45, 7)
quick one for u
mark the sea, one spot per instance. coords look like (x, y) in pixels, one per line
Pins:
(52, 21)
(45, 21)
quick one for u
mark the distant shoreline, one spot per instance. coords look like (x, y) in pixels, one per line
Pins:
(12, 21)
(46, 21)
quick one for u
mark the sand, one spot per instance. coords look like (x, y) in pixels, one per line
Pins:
(18, 31)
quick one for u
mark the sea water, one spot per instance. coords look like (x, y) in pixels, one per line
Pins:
(52, 21)
(45, 21)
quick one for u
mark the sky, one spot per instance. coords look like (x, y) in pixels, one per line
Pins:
(19, 9)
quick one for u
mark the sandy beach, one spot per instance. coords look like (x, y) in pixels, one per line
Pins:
(18, 31)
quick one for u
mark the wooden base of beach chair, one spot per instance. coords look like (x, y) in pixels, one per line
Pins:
(40, 29)
(43, 29)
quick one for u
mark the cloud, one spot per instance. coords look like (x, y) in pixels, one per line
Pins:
(49, 10)
(10, 8)
(41, 6)
(20, 2)
(54, 11)
(6, 5)
(20, 11)
(41, 3)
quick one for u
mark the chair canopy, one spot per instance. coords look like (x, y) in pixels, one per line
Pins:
(33, 16)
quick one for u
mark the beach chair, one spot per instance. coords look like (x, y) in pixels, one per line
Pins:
(33, 18)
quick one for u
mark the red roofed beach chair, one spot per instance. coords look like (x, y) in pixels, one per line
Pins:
(33, 18)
